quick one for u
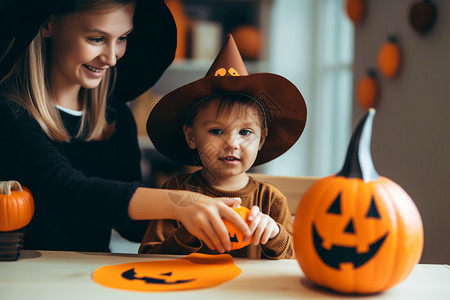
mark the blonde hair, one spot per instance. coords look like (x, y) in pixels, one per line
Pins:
(28, 85)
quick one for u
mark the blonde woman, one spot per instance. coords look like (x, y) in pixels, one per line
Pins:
(67, 133)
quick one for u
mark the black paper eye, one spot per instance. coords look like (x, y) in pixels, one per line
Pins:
(335, 207)
(373, 210)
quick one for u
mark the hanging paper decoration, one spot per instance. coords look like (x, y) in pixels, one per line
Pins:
(422, 16)
(357, 231)
(354, 10)
(194, 271)
(389, 57)
(367, 90)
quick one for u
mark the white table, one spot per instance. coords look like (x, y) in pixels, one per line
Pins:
(68, 275)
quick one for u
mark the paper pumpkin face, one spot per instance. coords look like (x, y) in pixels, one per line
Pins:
(356, 231)
(236, 236)
(191, 272)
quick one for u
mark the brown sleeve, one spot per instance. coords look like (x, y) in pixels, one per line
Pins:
(169, 236)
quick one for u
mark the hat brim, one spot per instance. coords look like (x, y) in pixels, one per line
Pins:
(150, 49)
(283, 103)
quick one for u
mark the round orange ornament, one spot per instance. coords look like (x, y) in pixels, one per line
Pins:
(389, 57)
(249, 41)
(356, 231)
(236, 236)
(367, 90)
(354, 10)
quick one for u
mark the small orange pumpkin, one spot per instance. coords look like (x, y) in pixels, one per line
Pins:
(236, 236)
(356, 231)
(367, 90)
(354, 10)
(16, 206)
(389, 57)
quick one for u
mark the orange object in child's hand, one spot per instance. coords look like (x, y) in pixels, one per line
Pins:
(236, 236)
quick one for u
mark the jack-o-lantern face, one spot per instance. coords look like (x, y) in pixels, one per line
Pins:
(165, 278)
(191, 272)
(236, 236)
(355, 237)
(356, 231)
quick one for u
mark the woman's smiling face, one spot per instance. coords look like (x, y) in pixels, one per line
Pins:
(83, 46)
(228, 141)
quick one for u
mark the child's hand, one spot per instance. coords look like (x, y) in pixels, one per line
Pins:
(263, 226)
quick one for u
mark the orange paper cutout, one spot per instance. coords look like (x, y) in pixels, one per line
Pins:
(194, 271)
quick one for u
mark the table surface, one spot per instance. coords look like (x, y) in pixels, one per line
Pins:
(68, 275)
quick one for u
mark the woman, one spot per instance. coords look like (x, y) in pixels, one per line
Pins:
(68, 135)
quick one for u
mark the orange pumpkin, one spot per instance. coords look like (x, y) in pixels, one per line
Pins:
(236, 236)
(354, 10)
(367, 90)
(356, 231)
(389, 57)
(16, 206)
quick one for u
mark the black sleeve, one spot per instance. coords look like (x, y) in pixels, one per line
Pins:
(29, 156)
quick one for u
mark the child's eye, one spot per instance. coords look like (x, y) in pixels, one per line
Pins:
(245, 132)
(215, 131)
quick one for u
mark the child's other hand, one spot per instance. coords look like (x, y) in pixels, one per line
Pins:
(262, 225)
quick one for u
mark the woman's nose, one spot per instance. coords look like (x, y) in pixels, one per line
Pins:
(109, 55)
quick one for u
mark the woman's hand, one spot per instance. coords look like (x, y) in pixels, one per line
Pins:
(263, 226)
(204, 220)
(200, 214)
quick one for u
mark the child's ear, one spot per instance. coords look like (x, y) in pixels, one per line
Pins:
(189, 136)
(264, 133)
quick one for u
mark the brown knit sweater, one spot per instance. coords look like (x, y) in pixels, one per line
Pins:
(171, 237)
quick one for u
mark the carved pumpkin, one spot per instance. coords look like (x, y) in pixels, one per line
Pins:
(16, 206)
(236, 236)
(389, 57)
(356, 231)
(367, 90)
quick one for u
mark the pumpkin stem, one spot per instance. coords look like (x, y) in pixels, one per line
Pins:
(358, 162)
(7, 186)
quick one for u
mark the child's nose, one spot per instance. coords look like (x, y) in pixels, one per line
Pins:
(231, 140)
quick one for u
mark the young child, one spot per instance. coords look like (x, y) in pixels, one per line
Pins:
(228, 122)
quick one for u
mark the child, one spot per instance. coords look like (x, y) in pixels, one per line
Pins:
(67, 68)
(228, 122)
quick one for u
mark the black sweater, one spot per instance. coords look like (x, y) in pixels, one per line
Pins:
(81, 189)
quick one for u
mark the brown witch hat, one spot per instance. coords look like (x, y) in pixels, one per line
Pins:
(283, 104)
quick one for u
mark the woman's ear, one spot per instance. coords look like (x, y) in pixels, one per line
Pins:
(189, 136)
(46, 28)
(264, 133)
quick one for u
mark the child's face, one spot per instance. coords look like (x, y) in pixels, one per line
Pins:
(227, 143)
(84, 46)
